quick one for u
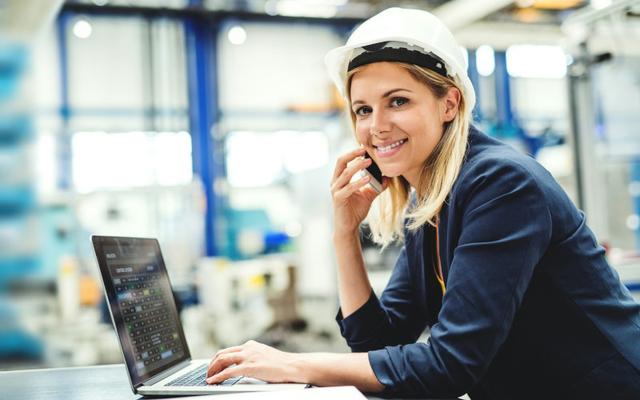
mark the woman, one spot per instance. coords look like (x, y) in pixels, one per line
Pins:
(496, 260)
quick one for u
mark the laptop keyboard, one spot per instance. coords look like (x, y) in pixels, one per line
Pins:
(198, 377)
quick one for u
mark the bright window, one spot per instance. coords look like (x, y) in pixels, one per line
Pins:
(257, 159)
(485, 60)
(535, 61)
(130, 159)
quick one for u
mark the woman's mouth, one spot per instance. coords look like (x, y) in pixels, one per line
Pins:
(390, 149)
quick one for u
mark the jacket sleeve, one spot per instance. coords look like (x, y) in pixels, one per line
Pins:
(506, 228)
(391, 320)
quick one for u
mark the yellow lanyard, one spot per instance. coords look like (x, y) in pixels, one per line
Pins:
(438, 265)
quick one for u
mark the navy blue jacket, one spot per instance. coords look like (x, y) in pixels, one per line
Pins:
(531, 310)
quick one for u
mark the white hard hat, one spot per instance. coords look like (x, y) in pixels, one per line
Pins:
(409, 32)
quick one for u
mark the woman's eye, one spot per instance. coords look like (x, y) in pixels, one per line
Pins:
(398, 101)
(363, 110)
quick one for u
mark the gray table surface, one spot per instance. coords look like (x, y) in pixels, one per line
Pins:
(83, 383)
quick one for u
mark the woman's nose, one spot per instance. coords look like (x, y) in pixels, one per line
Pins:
(379, 122)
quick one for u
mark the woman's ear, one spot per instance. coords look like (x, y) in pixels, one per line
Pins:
(451, 103)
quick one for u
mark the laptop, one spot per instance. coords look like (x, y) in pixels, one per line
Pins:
(144, 314)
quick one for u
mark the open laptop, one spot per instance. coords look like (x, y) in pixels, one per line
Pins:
(143, 311)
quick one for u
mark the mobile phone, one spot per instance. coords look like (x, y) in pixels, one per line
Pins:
(376, 175)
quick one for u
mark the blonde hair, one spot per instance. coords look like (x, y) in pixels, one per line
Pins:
(440, 170)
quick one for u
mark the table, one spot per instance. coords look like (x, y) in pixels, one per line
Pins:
(80, 383)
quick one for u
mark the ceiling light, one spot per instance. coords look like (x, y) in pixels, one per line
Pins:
(82, 29)
(237, 35)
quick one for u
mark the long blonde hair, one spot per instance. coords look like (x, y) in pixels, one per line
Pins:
(439, 172)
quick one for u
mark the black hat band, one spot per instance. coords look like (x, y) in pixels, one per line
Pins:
(428, 61)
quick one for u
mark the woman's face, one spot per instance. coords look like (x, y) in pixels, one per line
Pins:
(398, 119)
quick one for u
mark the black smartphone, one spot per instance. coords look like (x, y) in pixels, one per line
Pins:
(376, 175)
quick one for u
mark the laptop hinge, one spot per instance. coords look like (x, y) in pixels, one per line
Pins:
(160, 376)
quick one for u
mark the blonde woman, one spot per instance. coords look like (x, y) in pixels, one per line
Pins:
(496, 260)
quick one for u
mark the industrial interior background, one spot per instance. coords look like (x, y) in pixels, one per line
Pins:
(213, 126)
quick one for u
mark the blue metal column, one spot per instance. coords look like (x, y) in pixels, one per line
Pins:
(503, 92)
(64, 138)
(474, 76)
(507, 124)
(201, 38)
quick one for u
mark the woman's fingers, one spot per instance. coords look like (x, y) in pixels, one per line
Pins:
(236, 370)
(342, 162)
(255, 360)
(222, 361)
(351, 188)
(233, 349)
(348, 173)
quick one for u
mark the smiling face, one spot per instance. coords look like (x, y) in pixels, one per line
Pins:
(397, 118)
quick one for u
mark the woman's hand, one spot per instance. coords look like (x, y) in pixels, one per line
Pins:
(351, 200)
(254, 360)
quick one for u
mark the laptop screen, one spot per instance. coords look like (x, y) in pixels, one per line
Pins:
(142, 305)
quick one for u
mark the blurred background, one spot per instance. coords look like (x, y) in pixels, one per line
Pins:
(213, 126)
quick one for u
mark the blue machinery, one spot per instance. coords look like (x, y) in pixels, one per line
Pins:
(19, 254)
